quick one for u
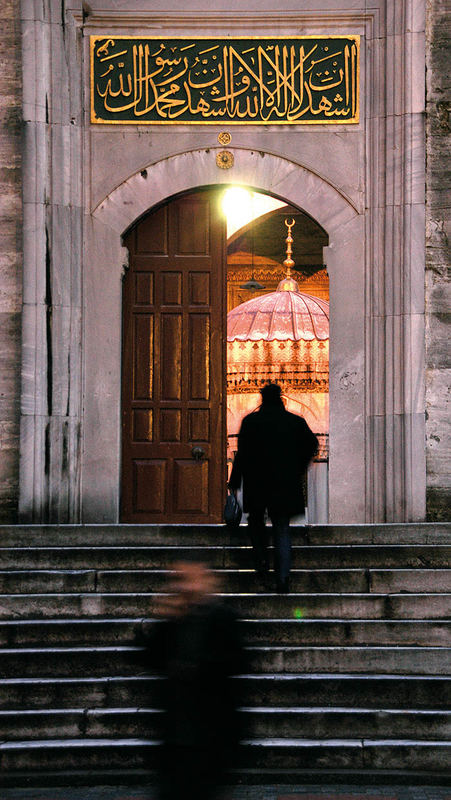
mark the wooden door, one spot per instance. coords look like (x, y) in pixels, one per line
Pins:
(173, 385)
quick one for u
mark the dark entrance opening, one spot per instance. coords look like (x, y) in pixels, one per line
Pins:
(184, 388)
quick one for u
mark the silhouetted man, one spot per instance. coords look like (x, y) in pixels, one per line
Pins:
(274, 451)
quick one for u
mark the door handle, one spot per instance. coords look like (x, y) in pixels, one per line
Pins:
(197, 453)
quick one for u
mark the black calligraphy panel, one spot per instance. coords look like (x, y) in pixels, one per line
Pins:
(148, 80)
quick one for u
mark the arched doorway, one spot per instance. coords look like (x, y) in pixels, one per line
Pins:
(185, 268)
(353, 460)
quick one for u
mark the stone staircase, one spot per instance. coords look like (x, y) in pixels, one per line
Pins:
(349, 675)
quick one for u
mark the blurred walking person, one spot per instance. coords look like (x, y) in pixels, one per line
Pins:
(275, 448)
(197, 649)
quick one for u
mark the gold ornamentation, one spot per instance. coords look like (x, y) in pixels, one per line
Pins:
(289, 263)
(242, 274)
(225, 159)
(237, 384)
(244, 80)
(224, 138)
(288, 284)
(262, 274)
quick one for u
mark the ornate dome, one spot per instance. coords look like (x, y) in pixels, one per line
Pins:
(284, 315)
(281, 337)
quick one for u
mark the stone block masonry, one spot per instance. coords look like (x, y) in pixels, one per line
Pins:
(438, 232)
(58, 482)
(10, 255)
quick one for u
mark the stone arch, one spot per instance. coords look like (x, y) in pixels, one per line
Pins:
(262, 171)
(105, 261)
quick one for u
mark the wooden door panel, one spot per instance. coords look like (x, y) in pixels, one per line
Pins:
(192, 228)
(149, 486)
(171, 357)
(191, 486)
(170, 425)
(142, 424)
(171, 291)
(144, 288)
(143, 356)
(199, 356)
(173, 389)
(199, 288)
(152, 238)
(198, 425)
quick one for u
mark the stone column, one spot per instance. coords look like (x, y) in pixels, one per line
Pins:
(395, 273)
(52, 194)
(438, 234)
(10, 259)
(345, 260)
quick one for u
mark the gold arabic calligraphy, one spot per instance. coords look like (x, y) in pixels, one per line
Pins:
(235, 80)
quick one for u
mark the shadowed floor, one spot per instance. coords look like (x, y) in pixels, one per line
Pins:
(240, 793)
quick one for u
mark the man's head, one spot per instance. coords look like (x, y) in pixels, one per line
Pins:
(193, 582)
(271, 395)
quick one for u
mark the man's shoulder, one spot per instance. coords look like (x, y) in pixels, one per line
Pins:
(298, 424)
(251, 419)
(296, 419)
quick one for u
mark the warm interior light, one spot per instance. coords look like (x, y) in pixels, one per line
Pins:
(241, 206)
(237, 206)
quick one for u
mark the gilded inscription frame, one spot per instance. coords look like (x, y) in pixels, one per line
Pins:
(139, 61)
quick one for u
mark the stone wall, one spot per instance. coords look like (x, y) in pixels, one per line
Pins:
(65, 52)
(84, 185)
(438, 232)
(10, 255)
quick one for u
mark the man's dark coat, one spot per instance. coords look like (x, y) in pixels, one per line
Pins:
(274, 450)
(198, 655)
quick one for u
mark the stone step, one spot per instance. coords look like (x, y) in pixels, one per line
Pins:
(387, 691)
(343, 606)
(65, 632)
(314, 723)
(132, 535)
(136, 535)
(94, 631)
(302, 606)
(396, 660)
(67, 581)
(276, 753)
(106, 692)
(375, 556)
(354, 754)
(112, 661)
(66, 662)
(337, 723)
(346, 632)
(72, 723)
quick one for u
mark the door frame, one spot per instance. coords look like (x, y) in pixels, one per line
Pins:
(358, 462)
